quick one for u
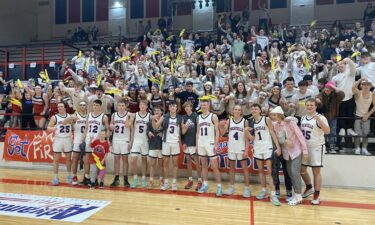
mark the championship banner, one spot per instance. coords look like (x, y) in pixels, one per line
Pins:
(224, 160)
(29, 146)
(49, 207)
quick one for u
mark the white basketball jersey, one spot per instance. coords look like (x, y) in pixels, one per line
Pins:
(207, 130)
(95, 125)
(63, 130)
(236, 136)
(314, 135)
(173, 131)
(79, 128)
(140, 128)
(121, 132)
(262, 140)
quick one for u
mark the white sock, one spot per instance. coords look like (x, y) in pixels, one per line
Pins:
(143, 177)
(205, 183)
(200, 179)
(218, 185)
(190, 178)
(174, 181)
(135, 176)
(56, 176)
(151, 179)
(264, 189)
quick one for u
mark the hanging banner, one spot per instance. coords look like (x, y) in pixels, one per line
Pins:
(29, 146)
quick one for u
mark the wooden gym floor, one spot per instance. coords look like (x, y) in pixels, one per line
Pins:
(139, 206)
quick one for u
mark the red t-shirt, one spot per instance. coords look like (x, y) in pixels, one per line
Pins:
(99, 149)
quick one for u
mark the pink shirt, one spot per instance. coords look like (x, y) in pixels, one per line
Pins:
(294, 135)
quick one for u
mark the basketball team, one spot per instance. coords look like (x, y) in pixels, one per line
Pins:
(93, 135)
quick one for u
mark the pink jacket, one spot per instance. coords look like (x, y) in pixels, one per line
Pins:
(294, 135)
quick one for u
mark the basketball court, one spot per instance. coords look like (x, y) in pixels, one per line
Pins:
(144, 206)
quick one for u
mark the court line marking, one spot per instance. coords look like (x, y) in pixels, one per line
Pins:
(335, 204)
(252, 210)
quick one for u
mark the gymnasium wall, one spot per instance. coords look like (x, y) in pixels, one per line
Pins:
(18, 22)
(25, 20)
(339, 170)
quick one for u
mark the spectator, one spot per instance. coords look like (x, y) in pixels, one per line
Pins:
(364, 99)
(368, 15)
(237, 49)
(329, 101)
(262, 39)
(293, 148)
(344, 81)
(162, 24)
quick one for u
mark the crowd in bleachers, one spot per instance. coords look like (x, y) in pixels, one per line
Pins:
(273, 65)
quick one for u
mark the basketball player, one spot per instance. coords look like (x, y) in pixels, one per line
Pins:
(155, 142)
(207, 140)
(96, 121)
(314, 126)
(78, 120)
(140, 143)
(172, 124)
(238, 149)
(62, 141)
(189, 139)
(121, 127)
(262, 134)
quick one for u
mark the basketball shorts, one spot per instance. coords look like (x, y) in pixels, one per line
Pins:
(120, 147)
(207, 150)
(190, 150)
(233, 156)
(76, 148)
(263, 155)
(155, 154)
(315, 158)
(170, 149)
(62, 145)
(139, 149)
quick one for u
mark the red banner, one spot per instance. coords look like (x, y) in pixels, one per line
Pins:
(36, 146)
(29, 146)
